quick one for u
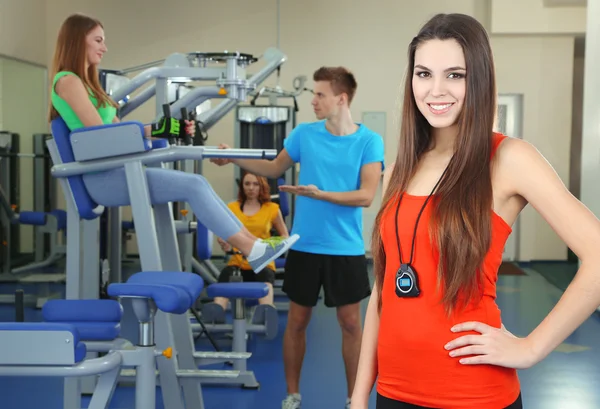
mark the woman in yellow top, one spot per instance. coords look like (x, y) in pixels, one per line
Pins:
(259, 215)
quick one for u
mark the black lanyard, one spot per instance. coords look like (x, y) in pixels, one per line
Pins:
(406, 277)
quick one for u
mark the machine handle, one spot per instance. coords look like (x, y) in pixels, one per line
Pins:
(167, 110)
(187, 139)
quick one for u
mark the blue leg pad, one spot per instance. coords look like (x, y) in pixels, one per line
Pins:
(191, 283)
(82, 311)
(238, 290)
(167, 298)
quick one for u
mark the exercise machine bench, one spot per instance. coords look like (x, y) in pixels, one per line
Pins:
(57, 348)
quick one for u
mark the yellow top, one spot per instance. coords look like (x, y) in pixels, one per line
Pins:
(259, 224)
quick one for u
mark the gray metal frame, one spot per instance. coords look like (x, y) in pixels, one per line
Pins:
(231, 78)
(240, 329)
(44, 194)
(105, 368)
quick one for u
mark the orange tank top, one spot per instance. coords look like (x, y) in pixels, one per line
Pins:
(413, 365)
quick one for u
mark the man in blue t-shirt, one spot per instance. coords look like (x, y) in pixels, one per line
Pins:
(341, 165)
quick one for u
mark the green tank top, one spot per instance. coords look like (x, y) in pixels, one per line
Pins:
(107, 113)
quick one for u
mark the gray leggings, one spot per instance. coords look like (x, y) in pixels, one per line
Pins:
(110, 189)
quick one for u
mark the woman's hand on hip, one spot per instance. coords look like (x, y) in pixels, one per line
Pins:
(493, 346)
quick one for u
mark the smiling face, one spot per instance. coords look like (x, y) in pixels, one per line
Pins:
(95, 45)
(438, 83)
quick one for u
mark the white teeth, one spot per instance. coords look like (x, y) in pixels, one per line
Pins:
(440, 107)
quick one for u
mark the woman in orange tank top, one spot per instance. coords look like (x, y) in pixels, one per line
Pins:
(433, 335)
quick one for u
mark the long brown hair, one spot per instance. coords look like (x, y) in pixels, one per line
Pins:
(264, 193)
(70, 55)
(461, 210)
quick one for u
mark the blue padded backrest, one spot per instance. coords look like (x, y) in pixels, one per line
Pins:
(204, 242)
(83, 201)
(284, 201)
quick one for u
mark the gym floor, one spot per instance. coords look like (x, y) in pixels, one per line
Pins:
(555, 383)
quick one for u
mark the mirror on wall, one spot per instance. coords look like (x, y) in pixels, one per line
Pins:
(23, 111)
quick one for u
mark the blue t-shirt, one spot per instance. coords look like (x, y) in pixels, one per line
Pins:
(333, 164)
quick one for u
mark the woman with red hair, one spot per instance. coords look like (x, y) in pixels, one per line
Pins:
(260, 216)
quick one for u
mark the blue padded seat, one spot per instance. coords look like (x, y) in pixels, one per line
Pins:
(173, 292)
(280, 263)
(238, 290)
(80, 349)
(96, 320)
(204, 242)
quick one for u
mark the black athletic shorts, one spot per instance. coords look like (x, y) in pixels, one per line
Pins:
(266, 275)
(345, 279)
(387, 403)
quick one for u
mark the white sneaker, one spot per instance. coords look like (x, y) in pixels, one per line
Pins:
(276, 246)
(291, 401)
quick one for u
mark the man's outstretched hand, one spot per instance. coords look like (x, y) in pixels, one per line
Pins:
(309, 190)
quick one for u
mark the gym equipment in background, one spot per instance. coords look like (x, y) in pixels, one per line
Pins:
(170, 85)
(9, 181)
(49, 223)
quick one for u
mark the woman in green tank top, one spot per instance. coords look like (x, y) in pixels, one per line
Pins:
(78, 98)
